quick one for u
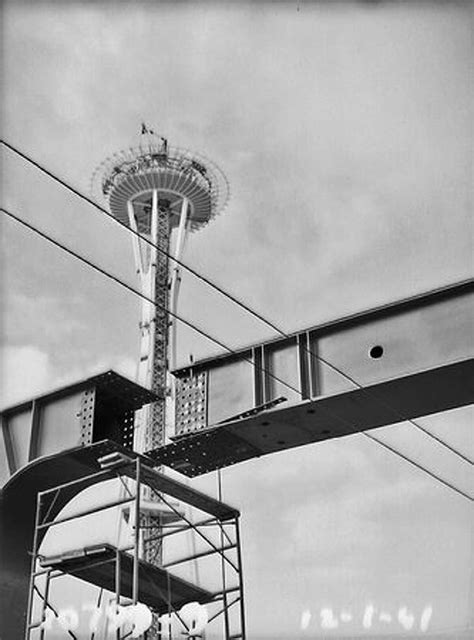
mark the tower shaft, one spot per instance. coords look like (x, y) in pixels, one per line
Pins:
(155, 431)
(152, 265)
(150, 216)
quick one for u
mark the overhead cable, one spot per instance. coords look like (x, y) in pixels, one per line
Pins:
(397, 414)
(141, 295)
(417, 465)
(120, 282)
(103, 210)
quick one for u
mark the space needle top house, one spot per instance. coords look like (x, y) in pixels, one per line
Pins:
(161, 193)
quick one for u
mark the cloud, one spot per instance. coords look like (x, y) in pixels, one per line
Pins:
(345, 135)
(25, 371)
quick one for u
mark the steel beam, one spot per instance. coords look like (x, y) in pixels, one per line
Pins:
(323, 418)
(406, 338)
(94, 409)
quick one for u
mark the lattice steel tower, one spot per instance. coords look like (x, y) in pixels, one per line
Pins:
(159, 191)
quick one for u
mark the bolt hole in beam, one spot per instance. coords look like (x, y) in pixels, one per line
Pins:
(376, 352)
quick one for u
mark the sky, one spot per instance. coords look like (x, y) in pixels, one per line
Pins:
(345, 130)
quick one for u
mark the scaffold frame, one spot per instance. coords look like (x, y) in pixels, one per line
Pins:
(122, 571)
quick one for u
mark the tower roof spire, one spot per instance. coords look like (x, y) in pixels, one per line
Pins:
(146, 129)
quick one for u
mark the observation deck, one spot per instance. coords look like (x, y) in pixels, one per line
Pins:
(130, 176)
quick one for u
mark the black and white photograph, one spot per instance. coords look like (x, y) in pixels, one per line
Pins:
(237, 320)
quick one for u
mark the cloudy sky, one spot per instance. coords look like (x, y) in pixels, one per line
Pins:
(345, 130)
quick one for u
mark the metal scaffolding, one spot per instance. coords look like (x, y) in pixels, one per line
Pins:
(123, 572)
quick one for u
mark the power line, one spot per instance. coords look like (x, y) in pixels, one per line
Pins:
(118, 281)
(103, 210)
(399, 415)
(131, 289)
(416, 464)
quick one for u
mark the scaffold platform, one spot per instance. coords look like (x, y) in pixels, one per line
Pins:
(157, 588)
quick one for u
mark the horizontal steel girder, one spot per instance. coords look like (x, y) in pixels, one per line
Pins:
(320, 419)
(400, 361)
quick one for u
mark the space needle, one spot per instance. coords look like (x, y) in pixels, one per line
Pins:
(162, 193)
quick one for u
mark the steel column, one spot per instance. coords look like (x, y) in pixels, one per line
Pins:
(241, 579)
(136, 549)
(29, 610)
